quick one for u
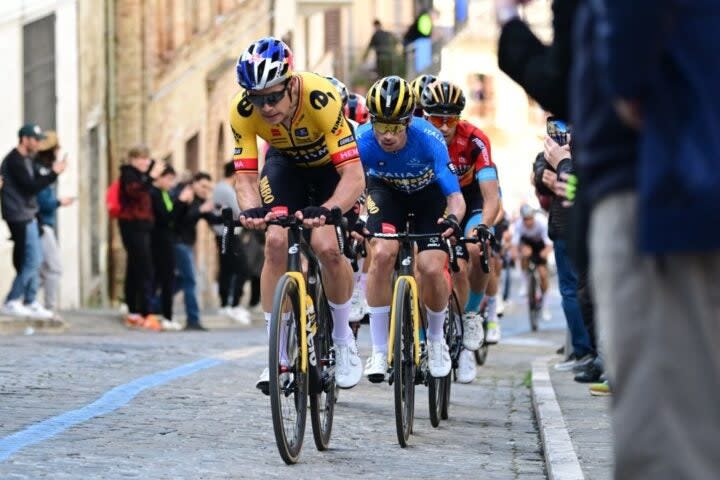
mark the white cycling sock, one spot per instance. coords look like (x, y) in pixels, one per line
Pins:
(436, 321)
(283, 335)
(342, 334)
(379, 323)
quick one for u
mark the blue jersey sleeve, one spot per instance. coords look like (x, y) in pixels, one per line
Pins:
(445, 177)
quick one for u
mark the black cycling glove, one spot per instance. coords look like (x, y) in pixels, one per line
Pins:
(316, 212)
(451, 221)
(256, 212)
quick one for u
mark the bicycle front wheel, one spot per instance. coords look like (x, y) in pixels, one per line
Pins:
(288, 384)
(322, 402)
(404, 361)
(453, 338)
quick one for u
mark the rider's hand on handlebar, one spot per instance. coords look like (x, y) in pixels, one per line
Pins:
(313, 217)
(359, 230)
(256, 218)
(452, 226)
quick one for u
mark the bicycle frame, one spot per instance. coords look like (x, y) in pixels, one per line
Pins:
(297, 245)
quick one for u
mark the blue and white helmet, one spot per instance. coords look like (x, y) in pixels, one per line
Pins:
(265, 63)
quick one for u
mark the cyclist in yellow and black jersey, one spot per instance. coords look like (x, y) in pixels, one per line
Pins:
(312, 165)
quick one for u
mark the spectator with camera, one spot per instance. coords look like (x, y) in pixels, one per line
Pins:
(198, 205)
(22, 183)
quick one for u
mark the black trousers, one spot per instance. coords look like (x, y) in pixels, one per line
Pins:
(232, 275)
(586, 305)
(17, 232)
(139, 270)
(163, 253)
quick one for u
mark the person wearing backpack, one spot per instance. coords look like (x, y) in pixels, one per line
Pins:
(136, 220)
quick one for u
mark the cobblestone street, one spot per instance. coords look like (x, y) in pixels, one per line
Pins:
(208, 421)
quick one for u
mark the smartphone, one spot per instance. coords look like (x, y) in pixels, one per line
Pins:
(558, 130)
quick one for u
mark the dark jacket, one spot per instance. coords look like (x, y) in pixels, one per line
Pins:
(22, 183)
(187, 217)
(542, 70)
(135, 197)
(558, 215)
(604, 149)
(665, 54)
(163, 232)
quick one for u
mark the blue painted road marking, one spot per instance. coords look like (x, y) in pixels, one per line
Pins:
(112, 400)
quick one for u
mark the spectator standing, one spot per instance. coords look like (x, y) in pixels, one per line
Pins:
(556, 160)
(654, 246)
(22, 183)
(48, 203)
(233, 267)
(136, 221)
(163, 243)
(385, 46)
(189, 213)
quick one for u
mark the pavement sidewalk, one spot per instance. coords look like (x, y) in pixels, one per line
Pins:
(574, 426)
(89, 321)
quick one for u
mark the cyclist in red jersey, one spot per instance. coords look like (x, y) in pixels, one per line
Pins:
(442, 102)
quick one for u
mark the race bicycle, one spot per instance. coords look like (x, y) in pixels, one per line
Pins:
(301, 353)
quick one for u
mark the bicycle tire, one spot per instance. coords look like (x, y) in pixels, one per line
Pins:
(322, 405)
(403, 362)
(532, 300)
(435, 393)
(453, 338)
(482, 352)
(287, 297)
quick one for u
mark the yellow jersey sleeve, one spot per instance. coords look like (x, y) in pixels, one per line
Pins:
(326, 105)
(245, 155)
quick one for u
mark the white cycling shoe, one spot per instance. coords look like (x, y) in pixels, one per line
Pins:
(467, 367)
(348, 367)
(376, 367)
(439, 358)
(472, 331)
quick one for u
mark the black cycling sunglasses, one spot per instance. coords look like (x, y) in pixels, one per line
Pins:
(269, 98)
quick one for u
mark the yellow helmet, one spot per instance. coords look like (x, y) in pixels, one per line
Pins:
(442, 98)
(419, 84)
(391, 99)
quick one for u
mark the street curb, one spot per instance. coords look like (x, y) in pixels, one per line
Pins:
(560, 458)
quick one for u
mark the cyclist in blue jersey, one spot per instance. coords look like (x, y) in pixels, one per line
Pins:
(406, 162)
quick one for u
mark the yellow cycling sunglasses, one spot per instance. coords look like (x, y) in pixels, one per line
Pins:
(389, 127)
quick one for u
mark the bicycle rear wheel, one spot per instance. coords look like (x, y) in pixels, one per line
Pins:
(322, 403)
(533, 311)
(288, 385)
(434, 398)
(403, 362)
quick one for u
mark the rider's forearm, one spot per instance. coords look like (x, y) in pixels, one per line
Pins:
(491, 202)
(246, 188)
(349, 187)
(456, 205)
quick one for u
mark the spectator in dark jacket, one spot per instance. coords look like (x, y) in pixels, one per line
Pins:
(655, 248)
(544, 72)
(165, 209)
(555, 160)
(385, 45)
(48, 204)
(22, 183)
(189, 213)
(136, 222)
